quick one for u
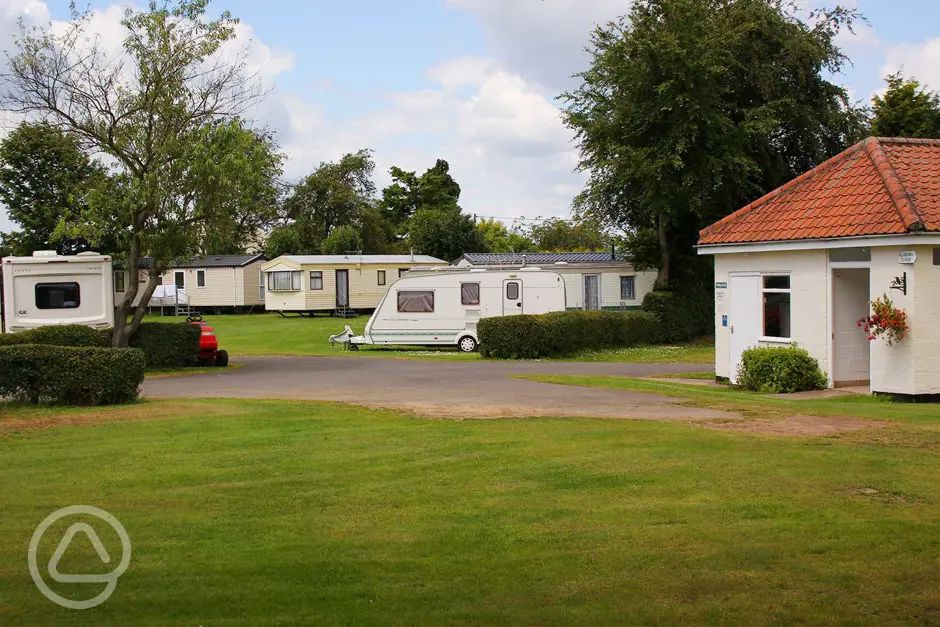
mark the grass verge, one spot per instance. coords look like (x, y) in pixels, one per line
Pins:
(263, 512)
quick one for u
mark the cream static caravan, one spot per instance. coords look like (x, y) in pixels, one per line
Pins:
(334, 283)
(210, 283)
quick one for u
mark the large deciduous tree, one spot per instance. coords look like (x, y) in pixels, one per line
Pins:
(336, 194)
(497, 238)
(905, 110)
(556, 234)
(45, 180)
(408, 193)
(692, 108)
(151, 109)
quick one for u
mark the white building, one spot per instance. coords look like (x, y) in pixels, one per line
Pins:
(593, 280)
(802, 264)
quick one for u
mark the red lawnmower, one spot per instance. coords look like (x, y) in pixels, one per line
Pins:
(209, 353)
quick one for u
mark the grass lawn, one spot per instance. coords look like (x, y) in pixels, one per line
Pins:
(271, 334)
(266, 511)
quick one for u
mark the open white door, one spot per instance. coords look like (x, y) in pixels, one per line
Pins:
(746, 318)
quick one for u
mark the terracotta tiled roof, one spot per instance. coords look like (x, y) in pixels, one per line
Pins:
(880, 186)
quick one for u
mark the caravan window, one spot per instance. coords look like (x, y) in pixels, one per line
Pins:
(316, 279)
(380, 277)
(512, 290)
(416, 302)
(469, 293)
(200, 278)
(287, 280)
(627, 288)
(57, 295)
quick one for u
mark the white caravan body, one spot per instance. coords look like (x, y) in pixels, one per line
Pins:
(48, 289)
(441, 306)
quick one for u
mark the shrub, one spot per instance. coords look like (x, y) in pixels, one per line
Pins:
(562, 332)
(70, 374)
(772, 370)
(168, 345)
(683, 314)
(57, 335)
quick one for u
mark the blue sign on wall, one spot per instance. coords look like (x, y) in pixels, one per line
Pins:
(724, 321)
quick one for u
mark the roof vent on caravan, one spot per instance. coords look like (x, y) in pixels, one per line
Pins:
(87, 253)
(45, 253)
(561, 263)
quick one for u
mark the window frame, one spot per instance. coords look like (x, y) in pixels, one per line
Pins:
(398, 296)
(402, 271)
(632, 283)
(291, 274)
(763, 310)
(936, 256)
(517, 285)
(380, 277)
(200, 278)
(472, 304)
(314, 276)
(51, 284)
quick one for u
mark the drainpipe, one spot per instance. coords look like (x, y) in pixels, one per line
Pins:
(523, 260)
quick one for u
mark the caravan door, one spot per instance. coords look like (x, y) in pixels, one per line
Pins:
(342, 289)
(512, 297)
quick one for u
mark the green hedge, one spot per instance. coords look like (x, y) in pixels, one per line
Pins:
(684, 313)
(69, 374)
(58, 335)
(168, 345)
(563, 332)
(772, 370)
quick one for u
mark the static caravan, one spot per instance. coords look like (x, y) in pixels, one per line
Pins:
(442, 307)
(214, 282)
(803, 264)
(334, 283)
(598, 280)
(48, 289)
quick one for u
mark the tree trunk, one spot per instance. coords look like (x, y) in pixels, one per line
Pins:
(662, 277)
(124, 329)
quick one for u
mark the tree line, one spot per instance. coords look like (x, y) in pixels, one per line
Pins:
(689, 109)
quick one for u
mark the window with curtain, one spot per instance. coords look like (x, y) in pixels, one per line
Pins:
(381, 277)
(416, 301)
(200, 278)
(627, 287)
(469, 293)
(316, 279)
(776, 297)
(284, 281)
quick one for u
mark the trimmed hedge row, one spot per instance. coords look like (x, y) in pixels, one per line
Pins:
(58, 335)
(683, 314)
(562, 332)
(168, 345)
(69, 374)
(773, 370)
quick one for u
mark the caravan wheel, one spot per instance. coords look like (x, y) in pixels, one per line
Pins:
(467, 344)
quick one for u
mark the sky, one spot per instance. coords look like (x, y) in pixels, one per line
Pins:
(475, 82)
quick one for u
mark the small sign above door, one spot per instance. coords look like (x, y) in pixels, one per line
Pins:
(721, 285)
(907, 256)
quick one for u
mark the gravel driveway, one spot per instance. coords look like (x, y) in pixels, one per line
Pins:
(477, 389)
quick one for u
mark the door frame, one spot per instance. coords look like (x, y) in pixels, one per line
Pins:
(520, 302)
(177, 273)
(831, 266)
(584, 297)
(344, 272)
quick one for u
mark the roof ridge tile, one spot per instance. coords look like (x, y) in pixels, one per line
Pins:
(889, 176)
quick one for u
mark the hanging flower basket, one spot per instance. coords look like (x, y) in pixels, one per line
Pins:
(886, 321)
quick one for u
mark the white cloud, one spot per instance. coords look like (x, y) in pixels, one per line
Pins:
(920, 61)
(542, 40)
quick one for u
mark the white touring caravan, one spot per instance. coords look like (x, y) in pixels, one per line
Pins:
(441, 306)
(48, 289)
